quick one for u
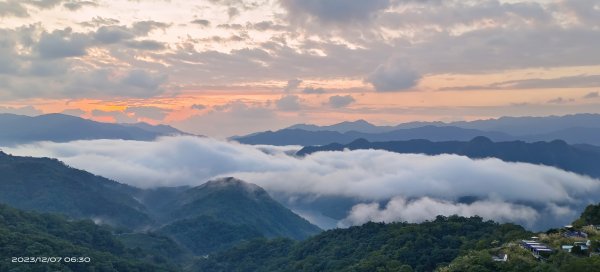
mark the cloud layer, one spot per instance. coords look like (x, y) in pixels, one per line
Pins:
(383, 186)
(426, 208)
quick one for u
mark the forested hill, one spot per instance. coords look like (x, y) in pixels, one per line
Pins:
(370, 247)
(590, 216)
(48, 185)
(581, 159)
(27, 234)
(237, 202)
(521, 260)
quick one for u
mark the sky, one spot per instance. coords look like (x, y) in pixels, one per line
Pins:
(230, 67)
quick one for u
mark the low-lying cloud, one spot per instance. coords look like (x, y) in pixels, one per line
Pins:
(383, 186)
(425, 208)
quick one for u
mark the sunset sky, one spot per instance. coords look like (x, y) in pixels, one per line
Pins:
(226, 67)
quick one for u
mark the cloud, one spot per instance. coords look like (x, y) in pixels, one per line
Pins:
(154, 113)
(451, 38)
(587, 12)
(415, 187)
(288, 103)
(77, 5)
(73, 112)
(399, 209)
(117, 116)
(13, 8)
(267, 25)
(341, 101)
(26, 110)
(198, 107)
(234, 118)
(312, 90)
(578, 81)
(591, 95)
(559, 100)
(201, 22)
(334, 11)
(100, 21)
(145, 45)
(18, 8)
(108, 83)
(112, 34)
(292, 85)
(233, 12)
(62, 44)
(40, 64)
(143, 28)
(393, 76)
(144, 80)
(44, 3)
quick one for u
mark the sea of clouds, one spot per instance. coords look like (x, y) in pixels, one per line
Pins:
(382, 186)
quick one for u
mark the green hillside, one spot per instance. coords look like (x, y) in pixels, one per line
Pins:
(239, 203)
(521, 260)
(48, 185)
(590, 216)
(29, 234)
(204, 234)
(370, 247)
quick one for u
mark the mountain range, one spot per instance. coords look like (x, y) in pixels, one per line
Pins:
(19, 129)
(305, 138)
(580, 159)
(573, 129)
(518, 126)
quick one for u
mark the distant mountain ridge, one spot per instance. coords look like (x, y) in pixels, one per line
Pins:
(18, 129)
(579, 159)
(306, 138)
(358, 126)
(574, 129)
(517, 126)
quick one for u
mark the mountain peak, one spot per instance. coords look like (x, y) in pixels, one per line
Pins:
(481, 140)
(357, 122)
(359, 142)
(231, 182)
(238, 202)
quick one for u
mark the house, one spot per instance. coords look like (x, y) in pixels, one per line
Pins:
(539, 250)
(575, 234)
(582, 245)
